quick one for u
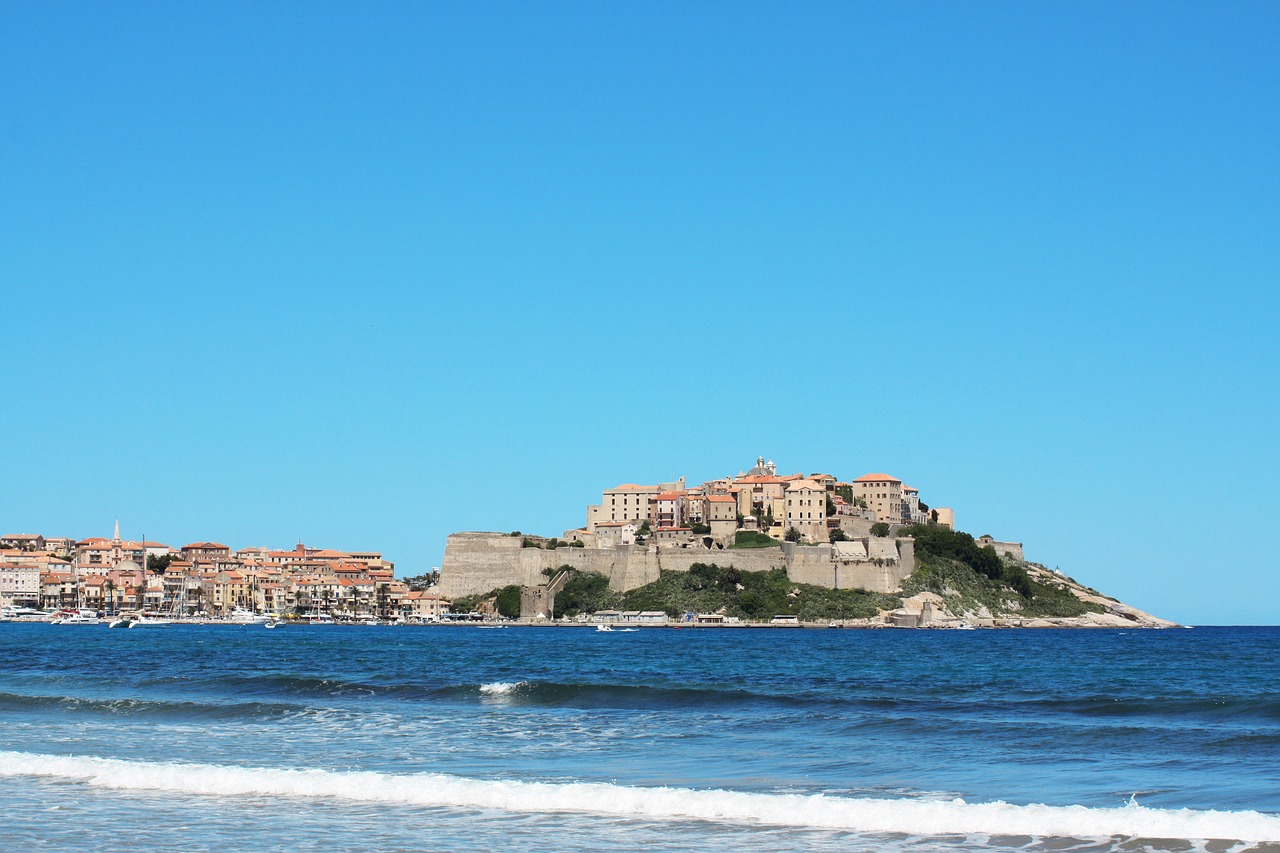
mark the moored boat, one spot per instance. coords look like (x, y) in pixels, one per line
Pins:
(79, 616)
(242, 616)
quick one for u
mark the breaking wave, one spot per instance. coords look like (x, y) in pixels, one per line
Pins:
(501, 688)
(857, 814)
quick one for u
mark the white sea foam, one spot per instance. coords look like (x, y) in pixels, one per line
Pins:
(500, 688)
(911, 817)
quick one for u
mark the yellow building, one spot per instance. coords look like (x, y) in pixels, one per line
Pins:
(805, 503)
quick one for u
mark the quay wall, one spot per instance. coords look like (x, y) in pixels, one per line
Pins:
(478, 562)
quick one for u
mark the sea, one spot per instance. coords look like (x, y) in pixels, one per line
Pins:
(375, 738)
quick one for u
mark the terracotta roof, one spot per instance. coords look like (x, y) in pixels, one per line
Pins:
(869, 478)
(721, 499)
(668, 496)
(205, 546)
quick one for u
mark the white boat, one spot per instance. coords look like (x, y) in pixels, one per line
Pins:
(318, 619)
(271, 623)
(145, 621)
(79, 616)
(247, 617)
(14, 613)
(603, 627)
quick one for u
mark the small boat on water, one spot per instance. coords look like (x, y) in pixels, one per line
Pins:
(240, 616)
(271, 623)
(15, 613)
(79, 616)
(146, 621)
(603, 627)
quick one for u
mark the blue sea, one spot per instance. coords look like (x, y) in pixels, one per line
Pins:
(200, 737)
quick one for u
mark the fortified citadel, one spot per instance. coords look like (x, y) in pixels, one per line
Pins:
(823, 531)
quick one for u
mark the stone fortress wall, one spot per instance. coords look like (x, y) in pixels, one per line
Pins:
(478, 562)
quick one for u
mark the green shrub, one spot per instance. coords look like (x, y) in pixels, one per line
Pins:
(709, 588)
(584, 592)
(753, 539)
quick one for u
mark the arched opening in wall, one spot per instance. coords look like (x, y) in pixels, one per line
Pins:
(707, 542)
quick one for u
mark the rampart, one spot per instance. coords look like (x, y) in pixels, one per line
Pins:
(476, 563)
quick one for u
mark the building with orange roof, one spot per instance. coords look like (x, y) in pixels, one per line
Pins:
(882, 494)
(19, 584)
(22, 541)
(203, 551)
(425, 605)
(667, 510)
(628, 502)
(805, 507)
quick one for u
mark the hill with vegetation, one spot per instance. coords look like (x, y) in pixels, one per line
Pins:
(976, 581)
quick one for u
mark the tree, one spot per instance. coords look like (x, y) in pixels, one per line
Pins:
(792, 535)
(423, 581)
(831, 507)
(880, 528)
(509, 601)
(196, 593)
(838, 535)
(158, 564)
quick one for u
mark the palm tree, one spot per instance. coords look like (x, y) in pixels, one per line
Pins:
(109, 587)
(196, 593)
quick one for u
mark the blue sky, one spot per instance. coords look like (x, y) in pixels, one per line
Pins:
(365, 274)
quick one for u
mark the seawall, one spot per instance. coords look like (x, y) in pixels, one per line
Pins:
(477, 562)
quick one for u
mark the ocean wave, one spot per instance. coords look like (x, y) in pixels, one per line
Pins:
(1220, 708)
(502, 688)
(584, 694)
(857, 814)
(843, 700)
(19, 702)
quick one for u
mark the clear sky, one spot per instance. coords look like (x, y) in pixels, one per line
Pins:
(365, 274)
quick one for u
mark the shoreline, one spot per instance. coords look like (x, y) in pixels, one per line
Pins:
(1061, 623)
